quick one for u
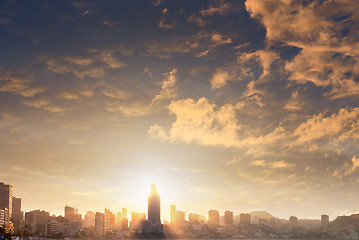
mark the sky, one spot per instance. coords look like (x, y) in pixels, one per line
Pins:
(227, 105)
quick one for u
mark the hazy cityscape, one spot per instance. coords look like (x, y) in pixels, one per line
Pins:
(243, 114)
(41, 224)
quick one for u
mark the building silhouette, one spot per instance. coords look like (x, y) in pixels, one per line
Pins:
(35, 221)
(6, 207)
(89, 219)
(325, 221)
(100, 224)
(245, 218)
(293, 221)
(213, 217)
(228, 218)
(110, 220)
(124, 212)
(72, 214)
(154, 205)
(17, 214)
(173, 213)
(136, 220)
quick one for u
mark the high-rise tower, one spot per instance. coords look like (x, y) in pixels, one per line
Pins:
(154, 205)
(6, 198)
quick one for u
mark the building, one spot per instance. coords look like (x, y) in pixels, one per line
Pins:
(124, 224)
(179, 217)
(2, 218)
(118, 219)
(245, 218)
(72, 214)
(122, 220)
(213, 217)
(136, 220)
(6, 197)
(293, 221)
(154, 205)
(6, 206)
(124, 212)
(35, 222)
(193, 218)
(221, 220)
(110, 220)
(55, 227)
(5, 222)
(100, 224)
(17, 215)
(228, 218)
(89, 219)
(172, 213)
(325, 221)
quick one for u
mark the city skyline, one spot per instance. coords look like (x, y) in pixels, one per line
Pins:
(153, 210)
(108, 224)
(232, 105)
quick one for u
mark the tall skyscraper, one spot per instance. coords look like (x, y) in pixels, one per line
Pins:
(110, 220)
(173, 213)
(17, 214)
(6, 197)
(228, 218)
(325, 221)
(100, 224)
(213, 217)
(6, 206)
(154, 205)
(124, 213)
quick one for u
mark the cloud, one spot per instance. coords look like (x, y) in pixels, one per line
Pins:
(325, 70)
(325, 35)
(197, 20)
(165, 22)
(112, 61)
(244, 68)
(274, 165)
(94, 66)
(157, 132)
(264, 57)
(116, 93)
(353, 166)
(201, 122)
(8, 121)
(45, 105)
(295, 102)
(341, 126)
(208, 124)
(168, 88)
(220, 78)
(80, 67)
(18, 86)
(210, 42)
(128, 109)
(218, 39)
(76, 94)
(218, 7)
